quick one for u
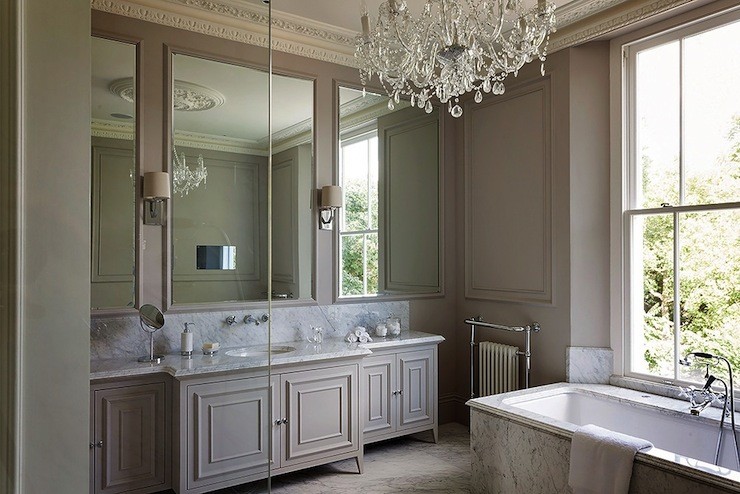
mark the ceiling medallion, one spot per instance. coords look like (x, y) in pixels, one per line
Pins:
(187, 96)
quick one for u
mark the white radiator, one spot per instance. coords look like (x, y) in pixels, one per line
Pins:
(498, 368)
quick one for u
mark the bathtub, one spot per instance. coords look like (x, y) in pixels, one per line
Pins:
(522, 438)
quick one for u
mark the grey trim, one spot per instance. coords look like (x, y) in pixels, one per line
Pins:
(9, 240)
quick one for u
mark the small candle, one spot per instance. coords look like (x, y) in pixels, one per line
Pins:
(365, 26)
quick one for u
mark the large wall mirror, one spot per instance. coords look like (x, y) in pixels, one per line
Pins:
(219, 169)
(113, 197)
(389, 228)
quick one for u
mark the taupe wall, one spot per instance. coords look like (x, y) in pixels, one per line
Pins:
(55, 286)
(578, 208)
(589, 194)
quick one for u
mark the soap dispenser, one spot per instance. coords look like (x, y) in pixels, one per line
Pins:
(186, 341)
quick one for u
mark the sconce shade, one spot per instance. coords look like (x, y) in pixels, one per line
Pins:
(156, 185)
(331, 196)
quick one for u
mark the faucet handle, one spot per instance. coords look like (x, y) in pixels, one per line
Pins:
(685, 392)
(231, 320)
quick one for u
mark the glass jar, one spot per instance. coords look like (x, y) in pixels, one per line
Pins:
(394, 325)
(381, 330)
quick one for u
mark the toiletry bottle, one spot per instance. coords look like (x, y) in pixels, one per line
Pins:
(186, 341)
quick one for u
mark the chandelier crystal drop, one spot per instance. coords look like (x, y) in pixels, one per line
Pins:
(183, 178)
(454, 47)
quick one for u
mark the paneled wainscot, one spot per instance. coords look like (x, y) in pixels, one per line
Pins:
(204, 423)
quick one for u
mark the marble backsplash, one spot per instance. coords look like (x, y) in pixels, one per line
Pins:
(589, 365)
(114, 337)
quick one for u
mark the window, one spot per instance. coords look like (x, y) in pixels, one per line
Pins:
(682, 220)
(358, 230)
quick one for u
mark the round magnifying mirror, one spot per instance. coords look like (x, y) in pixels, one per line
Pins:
(151, 319)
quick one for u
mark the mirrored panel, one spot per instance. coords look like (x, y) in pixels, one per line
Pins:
(219, 176)
(113, 197)
(389, 229)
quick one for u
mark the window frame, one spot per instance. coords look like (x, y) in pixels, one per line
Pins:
(624, 176)
(365, 133)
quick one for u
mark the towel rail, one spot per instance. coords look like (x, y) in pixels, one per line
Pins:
(527, 353)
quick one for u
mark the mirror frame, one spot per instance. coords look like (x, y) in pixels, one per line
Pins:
(139, 201)
(167, 247)
(336, 298)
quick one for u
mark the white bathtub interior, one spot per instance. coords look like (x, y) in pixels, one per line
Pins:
(687, 435)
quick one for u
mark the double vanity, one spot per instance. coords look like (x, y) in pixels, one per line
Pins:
(207, 422)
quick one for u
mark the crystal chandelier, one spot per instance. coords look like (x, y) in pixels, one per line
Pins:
(454, 47)
(183, 178)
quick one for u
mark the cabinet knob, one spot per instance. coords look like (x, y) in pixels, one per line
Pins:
(99, 444)
(400, 391)
(285, 421)
(92, 445)
(278, 421)
(395, 393)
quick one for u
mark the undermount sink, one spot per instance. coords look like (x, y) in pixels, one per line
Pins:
(260, 351)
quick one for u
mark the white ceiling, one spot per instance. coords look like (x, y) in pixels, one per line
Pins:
(345, 14)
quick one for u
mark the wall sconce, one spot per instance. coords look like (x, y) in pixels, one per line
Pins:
(156, 190)
(331, 200)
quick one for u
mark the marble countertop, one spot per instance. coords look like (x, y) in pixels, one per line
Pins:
(178, 366)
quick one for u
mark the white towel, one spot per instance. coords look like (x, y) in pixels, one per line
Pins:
(601, 460)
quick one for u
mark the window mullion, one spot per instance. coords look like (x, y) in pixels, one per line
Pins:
(681, 128)
(676, 295)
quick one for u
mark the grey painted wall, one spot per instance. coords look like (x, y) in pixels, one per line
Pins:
(55, 287)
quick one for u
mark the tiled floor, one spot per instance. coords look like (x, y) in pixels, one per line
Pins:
(405, 465)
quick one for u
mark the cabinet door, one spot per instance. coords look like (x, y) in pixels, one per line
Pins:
(130, 422)
(320, 407)
(417, 388)
(229, 428)
(378, 388)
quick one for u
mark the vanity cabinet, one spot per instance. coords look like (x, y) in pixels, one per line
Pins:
(399, 392)
(231, 425)
(129, 445)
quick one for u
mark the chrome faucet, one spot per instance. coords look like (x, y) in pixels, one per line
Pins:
(700, 399)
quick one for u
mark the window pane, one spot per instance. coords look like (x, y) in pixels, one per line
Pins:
(372, 263)
(354, 183)
(657, 121)
(709, 276)
(352, 264)
(652, 295)
(711, 80)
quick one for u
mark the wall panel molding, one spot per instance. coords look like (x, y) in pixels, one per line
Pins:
(508, 221)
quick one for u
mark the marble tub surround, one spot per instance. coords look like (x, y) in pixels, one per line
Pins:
(592, 365)
(662, 389)
(121, 337)
(499, 428)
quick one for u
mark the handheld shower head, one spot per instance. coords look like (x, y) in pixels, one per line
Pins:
(687, 360)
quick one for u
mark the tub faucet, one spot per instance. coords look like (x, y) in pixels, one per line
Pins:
(700, 399)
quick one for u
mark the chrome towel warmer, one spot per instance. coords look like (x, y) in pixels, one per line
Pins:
(527, 353)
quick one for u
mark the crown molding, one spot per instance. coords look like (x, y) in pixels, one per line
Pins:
(112, 129)
(578, 22)
(600, 23)
(243, 23)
